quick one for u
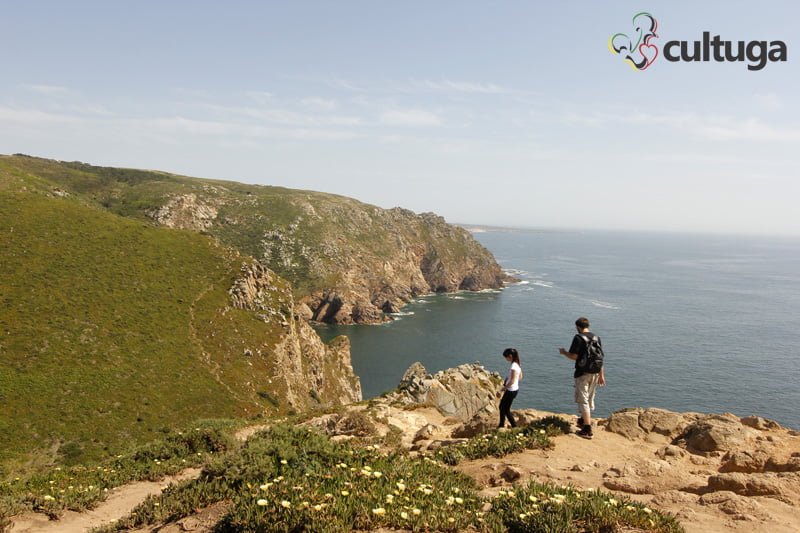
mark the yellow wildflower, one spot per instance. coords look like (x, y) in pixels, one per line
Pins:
(379, 511)
(286, 504)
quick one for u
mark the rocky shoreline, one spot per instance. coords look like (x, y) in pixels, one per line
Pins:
(715, 472)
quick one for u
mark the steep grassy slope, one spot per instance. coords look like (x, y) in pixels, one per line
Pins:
(111, 329)
(347, 261)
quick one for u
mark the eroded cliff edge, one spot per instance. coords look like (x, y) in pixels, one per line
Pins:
(348, 262)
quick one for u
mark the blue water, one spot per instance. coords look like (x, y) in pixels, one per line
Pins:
(689, 323)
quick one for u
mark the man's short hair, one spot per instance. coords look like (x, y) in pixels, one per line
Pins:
(582, 323)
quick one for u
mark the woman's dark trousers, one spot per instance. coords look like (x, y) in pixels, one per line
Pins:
(505, 408)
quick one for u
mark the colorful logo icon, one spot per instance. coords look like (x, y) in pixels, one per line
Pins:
(637, 50)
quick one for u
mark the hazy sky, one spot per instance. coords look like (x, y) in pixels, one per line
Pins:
(508, 113)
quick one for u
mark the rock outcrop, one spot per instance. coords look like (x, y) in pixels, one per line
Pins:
(461, 393)
(348, 262)
(185, 211)
(301, 361)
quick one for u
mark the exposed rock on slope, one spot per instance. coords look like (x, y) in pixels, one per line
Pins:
(462, 392)
(114, 329)
(347, 261)
(301, 362)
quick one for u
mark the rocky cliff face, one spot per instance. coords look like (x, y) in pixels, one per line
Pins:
(306, 371)
(349, 262)
(413, 255)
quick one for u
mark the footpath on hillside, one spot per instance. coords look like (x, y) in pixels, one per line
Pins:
(714, 472)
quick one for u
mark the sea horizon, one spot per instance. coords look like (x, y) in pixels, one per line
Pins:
(691, 288)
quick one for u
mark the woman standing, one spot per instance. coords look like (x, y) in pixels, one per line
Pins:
(511, 386)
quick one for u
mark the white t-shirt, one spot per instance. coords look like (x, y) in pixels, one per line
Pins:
(514, 375)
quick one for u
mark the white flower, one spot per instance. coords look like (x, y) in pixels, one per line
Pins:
(286, 504)
(379, 511)
(262, 502)
(415, 511)
(404, 515)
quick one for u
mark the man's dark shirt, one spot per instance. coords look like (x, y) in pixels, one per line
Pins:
(578, 347)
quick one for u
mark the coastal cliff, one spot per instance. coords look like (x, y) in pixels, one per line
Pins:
(113, 330)
(347, 261)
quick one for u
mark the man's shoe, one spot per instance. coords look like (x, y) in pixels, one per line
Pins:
(580, 422)
(585, 432)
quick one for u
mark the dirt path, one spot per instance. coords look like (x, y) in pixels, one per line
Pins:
(119, 503)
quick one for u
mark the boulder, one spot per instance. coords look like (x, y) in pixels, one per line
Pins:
(756, 422)
(511, 473)
(715, 433)
(426, 432)
(783, 486)
(739, 507)
(461, 393)
(625, 423)
(641, 423)
(477, 425)
(670, 451)
(744, 462)
(661, 421)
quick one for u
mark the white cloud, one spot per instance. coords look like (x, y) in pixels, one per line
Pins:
(712, 127)
(461, 87)
(33, 116)
(46, 89)
(750, 130)
(322, 104)
(769, 101)
(410, 117)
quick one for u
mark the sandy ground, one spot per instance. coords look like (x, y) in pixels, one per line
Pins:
(583, 463)
(119, 503)
(674, 486)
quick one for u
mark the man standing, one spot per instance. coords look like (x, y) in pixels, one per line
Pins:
(587, 352)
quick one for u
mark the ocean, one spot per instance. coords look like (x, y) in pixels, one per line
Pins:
(688, 322)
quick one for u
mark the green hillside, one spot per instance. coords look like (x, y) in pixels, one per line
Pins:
(112, 329)
(332, 249)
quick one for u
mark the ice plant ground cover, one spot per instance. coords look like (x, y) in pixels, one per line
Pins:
(78, 488)
(291, 478)
(500, 443)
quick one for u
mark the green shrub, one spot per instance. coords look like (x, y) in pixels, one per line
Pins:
(290, 478)
(79, 487)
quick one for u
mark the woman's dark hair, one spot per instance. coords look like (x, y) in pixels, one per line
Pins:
(513, 353)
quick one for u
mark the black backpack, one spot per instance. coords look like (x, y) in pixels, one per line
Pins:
(592, 361)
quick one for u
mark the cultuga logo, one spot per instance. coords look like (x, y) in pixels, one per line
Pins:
(639, 52)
